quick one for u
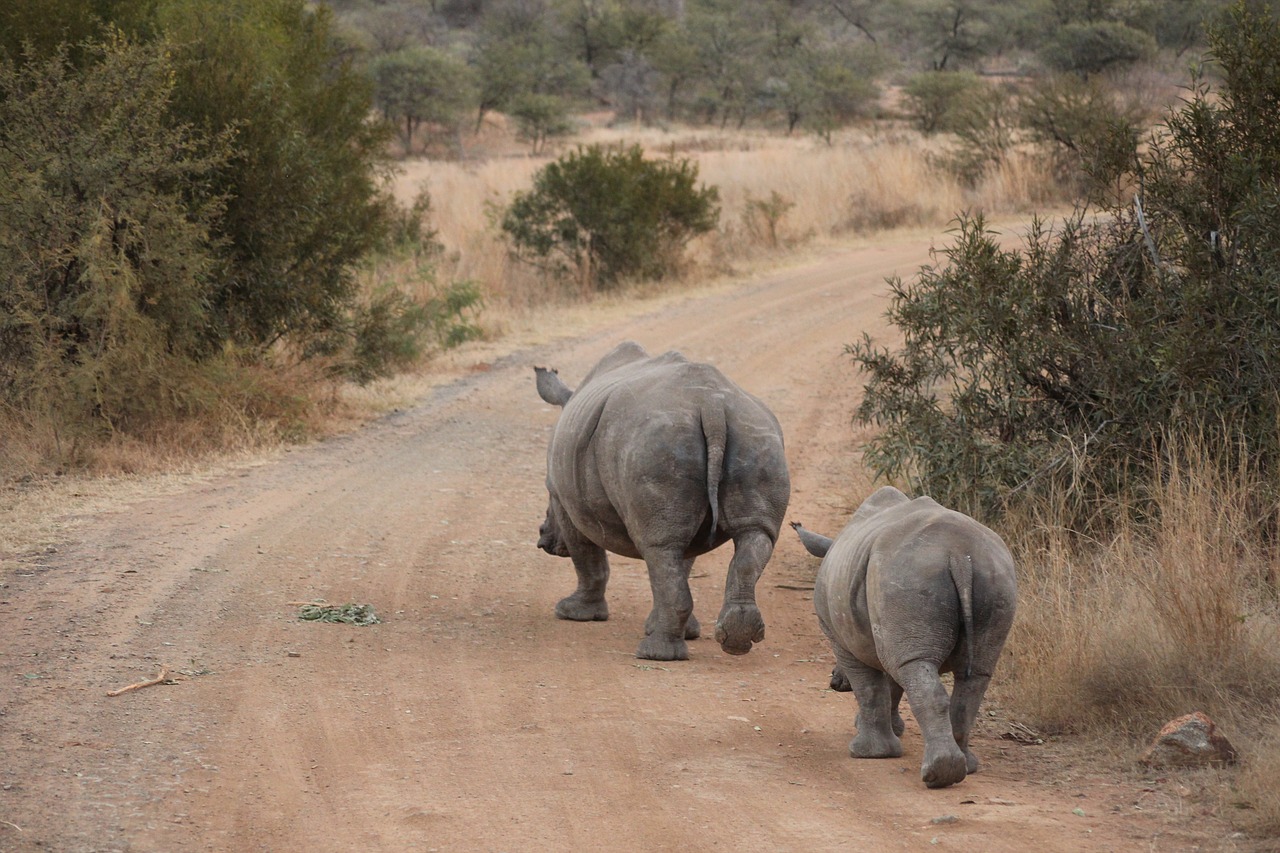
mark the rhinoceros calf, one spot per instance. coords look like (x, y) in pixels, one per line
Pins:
(906, 591)
(663, 459)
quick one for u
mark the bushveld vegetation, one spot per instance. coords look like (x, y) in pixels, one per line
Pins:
(1111, 384)
(202, 244)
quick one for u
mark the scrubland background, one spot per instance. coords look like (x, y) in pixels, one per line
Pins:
(200, 264)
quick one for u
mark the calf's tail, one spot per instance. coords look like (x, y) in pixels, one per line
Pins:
(961, 566)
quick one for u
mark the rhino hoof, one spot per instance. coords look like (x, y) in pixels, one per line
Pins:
(654, 647)
(943, 770)
(738, 628)
(575, 609)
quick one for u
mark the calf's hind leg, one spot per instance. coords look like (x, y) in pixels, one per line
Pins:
(966, 696)
(944, 761)
(873, 689)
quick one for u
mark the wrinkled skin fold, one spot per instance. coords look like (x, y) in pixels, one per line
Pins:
(663, 459)
(907, 591)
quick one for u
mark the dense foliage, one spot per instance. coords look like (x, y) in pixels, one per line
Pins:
(1073, 361)
(603, 214)
(106, 236)
(188, 190)
(797, 66)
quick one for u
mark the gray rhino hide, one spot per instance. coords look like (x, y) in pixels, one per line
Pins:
(663, 459)
(910, 589)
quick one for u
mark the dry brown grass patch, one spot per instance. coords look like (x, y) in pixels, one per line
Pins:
(1171, 616)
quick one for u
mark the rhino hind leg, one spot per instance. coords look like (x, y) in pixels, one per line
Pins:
(873, 691)
(692, 628)
(671, 619)
(586, 603)
(945, 762)
(895, 691)
(966, 696)
(740, 624)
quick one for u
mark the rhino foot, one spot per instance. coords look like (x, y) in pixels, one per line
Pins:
(840, 682)
(657, 647)
(943, 768)
(578, 609)
(867, 744)
(739, 626)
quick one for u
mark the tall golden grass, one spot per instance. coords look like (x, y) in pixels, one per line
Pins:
(1167, 616)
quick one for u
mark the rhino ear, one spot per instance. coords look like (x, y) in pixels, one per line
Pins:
(551, 388)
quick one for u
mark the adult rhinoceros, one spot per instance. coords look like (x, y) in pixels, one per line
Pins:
(663, 459)
(907, 590)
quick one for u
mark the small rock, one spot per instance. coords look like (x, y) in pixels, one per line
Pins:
(946, 818)
(1189, 741)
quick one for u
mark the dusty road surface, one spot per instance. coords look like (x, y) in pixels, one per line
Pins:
(471, 719)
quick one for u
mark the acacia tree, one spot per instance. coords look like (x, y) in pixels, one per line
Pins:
(421, 86)
(517, 54)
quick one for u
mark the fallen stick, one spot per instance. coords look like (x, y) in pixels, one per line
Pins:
(159, 679)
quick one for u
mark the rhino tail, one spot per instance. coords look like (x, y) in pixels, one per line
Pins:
(716, 434)
(962, 576)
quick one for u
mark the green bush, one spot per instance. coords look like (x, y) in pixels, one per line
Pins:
(1066, 366)
(179, 206)
(390, 329)
(984, 124)
(107, 251)
(394, 331)
(304, 188)
(933, 99)
(1090, 132)
(1092, 48)
(603, 214)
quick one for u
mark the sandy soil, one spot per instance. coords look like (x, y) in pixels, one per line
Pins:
(471, 719)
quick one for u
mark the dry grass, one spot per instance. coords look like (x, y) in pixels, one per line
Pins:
(867, 180)
(1178, 615)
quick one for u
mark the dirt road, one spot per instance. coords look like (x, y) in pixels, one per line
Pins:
(471, 719)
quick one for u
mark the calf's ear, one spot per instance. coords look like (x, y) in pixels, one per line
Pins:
(551, 388)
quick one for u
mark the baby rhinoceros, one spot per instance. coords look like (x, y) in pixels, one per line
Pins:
(910, 589)
(663, 459)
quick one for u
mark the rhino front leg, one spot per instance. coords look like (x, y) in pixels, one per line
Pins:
(740, 623)
(873, 689)
(944, 760)
(587, 603)
(668, 623)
